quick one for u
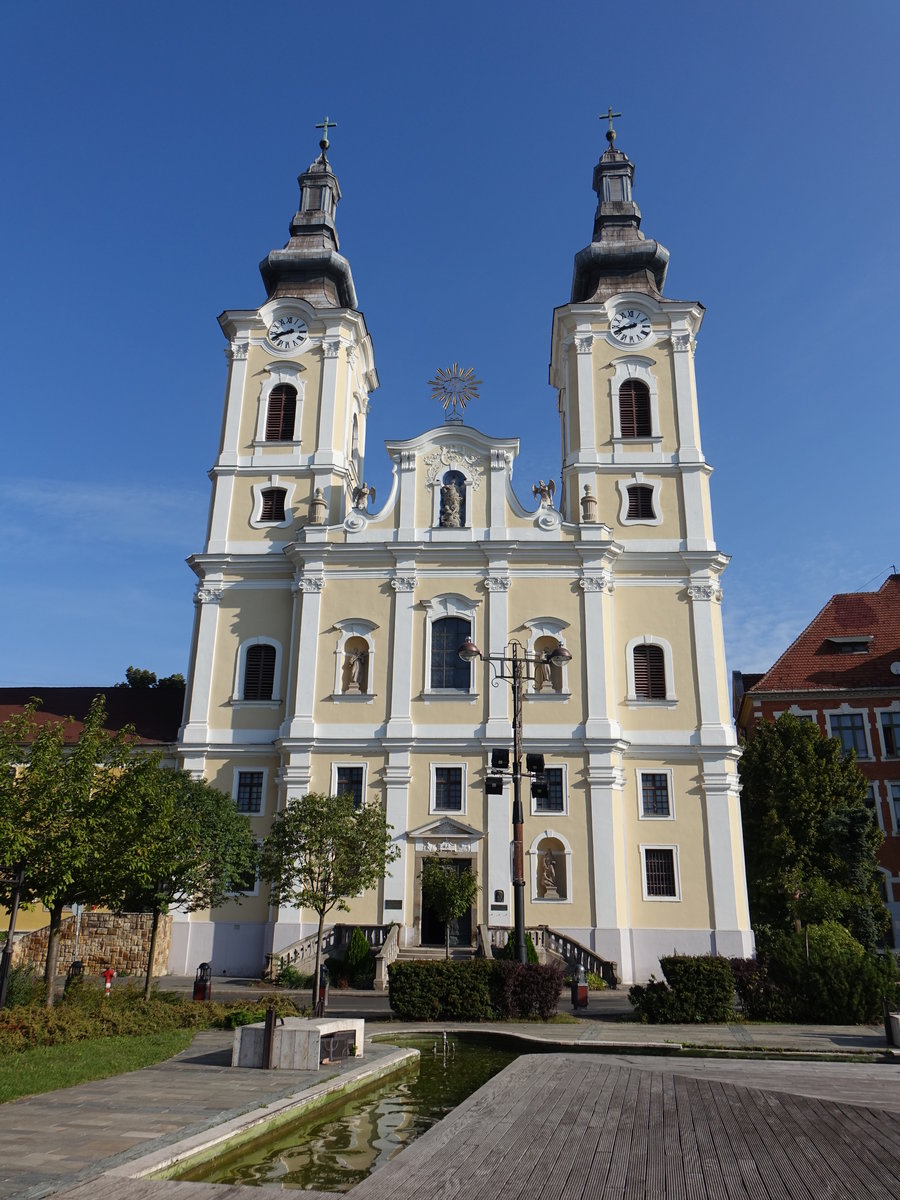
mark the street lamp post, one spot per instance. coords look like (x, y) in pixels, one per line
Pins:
(516, 667)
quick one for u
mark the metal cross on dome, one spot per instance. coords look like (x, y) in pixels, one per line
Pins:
(454, 388)
(608, 116)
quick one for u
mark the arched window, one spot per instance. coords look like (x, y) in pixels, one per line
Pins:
(272, 504)
(634, 409)
(448, 671)
(649, 672)
(280, 413)
(640, 502)
(259, 673)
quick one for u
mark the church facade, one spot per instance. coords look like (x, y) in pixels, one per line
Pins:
(326, 636)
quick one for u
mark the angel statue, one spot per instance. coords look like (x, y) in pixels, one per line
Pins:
(362, 495)
(544, 491)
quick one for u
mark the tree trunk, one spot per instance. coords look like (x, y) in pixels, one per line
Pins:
(52, 951)
(154, 931)
(315, 986)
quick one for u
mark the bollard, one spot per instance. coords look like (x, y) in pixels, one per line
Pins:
(203, 982)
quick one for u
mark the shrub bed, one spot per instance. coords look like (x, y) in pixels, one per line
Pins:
(698, 988)
(479, 989)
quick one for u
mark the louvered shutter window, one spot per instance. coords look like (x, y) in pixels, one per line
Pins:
(272, 505)
(280, 414)
(649, 673)
(259, 673)
(640, 503)
(634, 409)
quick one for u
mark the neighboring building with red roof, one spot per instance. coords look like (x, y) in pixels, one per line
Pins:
(843, 672)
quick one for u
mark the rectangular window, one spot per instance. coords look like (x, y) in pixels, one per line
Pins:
(448, 789)
(659, 872)
(555, 800)
(249, 791)
(851, 730)
(870, 802)
(895, 804)
(890, 728)
(655, 794)
(350, 783)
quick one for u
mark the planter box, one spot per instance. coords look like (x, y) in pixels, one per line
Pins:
(300, 1043)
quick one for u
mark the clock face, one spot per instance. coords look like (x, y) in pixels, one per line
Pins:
(287, 332)
(630, 326)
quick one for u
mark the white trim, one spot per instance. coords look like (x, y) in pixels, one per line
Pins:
(241, 668)
(649, 639)
(352, 627)
(890, 708)
(534, 853)
(247, 769)
(637, 478)
(553, 812)
(256, 491)
(442, 812)
(644, 847)
(449, 605)
(356, 765)
(846, 710)
(633, 366)
(893, 804)
(278, 373)
(640, 772)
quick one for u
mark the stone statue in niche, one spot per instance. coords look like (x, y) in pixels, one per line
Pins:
(543, 676)
(548, 876)
(356, 661)
(451, 506)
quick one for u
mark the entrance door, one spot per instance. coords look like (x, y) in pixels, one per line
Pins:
(432, 933)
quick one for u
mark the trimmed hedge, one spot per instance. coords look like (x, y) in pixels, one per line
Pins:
(478, 989)
(698, 988)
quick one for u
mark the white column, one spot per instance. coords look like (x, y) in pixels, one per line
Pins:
(310, 584)
(325, 448)
(599, 672)
(406, 484)
(686, 412)
(709, 658)
(234, 397)
(611, 917)
(495, 638)
(397, 777)
(400, 713)
(207, 598)
(587, 435)
(220, 512)
(497, 484)
(499, 856)
(727, 879)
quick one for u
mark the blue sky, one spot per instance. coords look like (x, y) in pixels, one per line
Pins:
(151, 153)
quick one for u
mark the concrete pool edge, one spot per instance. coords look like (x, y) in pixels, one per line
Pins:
(165, 1162)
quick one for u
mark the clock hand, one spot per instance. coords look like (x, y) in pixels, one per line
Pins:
(622, 328)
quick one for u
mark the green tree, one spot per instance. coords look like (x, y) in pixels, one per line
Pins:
(321, 851)
(449, 894)
(58, 814)
(181, 842)
(809, 839)
(140, 678)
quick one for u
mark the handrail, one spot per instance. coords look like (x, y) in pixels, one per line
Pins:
(303, 951)
(390, 949)
(551, 941)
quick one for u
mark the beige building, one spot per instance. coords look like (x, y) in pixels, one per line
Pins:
(324, 653)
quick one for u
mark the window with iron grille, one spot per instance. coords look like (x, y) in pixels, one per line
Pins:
(850, 729)
(659, 872)
(447, 669)
(272, 504)
(890, 728)
(655, 794)
(259, 673)
(350, 783)
(634, 409)
(249, 791)
(555, 800)
(649, 672)
(640, 502)
(448, 789)
(280, 413)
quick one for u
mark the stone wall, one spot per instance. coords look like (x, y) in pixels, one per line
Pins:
(104, 940)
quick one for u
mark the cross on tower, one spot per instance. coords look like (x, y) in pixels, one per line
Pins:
(608, 116)
(325, 126)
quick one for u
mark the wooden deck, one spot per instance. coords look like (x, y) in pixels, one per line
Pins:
(572, 1127)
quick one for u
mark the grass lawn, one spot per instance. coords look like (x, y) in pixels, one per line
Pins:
(46, 1068)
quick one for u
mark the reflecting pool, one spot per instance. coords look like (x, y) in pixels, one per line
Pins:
(334, 1148)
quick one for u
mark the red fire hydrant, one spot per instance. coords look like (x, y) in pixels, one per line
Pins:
(109, 975)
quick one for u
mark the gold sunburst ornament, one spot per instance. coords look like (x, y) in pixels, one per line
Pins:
(454, 387)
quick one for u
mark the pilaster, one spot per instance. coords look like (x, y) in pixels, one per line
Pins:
(207, 599)
(404, 583)
(309, 583)
(397, 778)
(497, 585)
